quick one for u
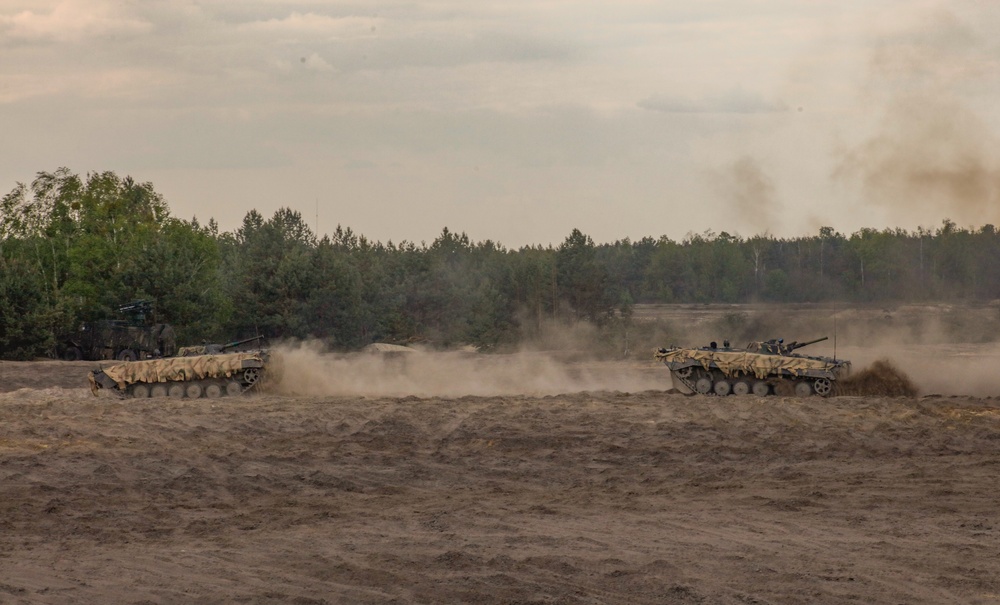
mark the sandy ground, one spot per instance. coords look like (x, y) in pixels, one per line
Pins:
(600, 496)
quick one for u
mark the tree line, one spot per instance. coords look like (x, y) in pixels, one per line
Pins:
(73, 249)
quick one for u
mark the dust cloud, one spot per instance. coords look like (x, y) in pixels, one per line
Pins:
(881, 379)
(932, 155)
(922, 349)
(309, 370)
(947, 349)
(751, 193)
(938, 369)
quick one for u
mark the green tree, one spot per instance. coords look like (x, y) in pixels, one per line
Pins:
(582, 281)
(25, 325)
(268, 275)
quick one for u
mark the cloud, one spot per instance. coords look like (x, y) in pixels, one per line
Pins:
(734, 101)
(935, 48)
(315, 24)
(315, 62)
(69, 22)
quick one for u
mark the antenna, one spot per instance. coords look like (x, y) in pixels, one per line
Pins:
(835, 331)
(316, 224)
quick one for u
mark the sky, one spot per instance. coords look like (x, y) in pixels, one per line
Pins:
(518, 121)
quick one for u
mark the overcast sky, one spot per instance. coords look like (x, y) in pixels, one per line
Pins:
(518, 121)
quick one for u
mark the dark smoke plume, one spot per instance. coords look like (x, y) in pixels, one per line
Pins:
(932, 156)
(751, 193)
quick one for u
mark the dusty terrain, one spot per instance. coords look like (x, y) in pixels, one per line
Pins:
(550, 489)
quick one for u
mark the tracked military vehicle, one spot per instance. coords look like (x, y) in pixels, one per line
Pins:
(126, 339)
(192, 377)
(762, 368)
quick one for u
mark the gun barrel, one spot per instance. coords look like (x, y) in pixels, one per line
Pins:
(137, 305)
(240, 342)
(799, 345)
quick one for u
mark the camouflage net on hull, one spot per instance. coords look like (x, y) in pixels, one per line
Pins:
(192, 351)
(760, 365)
(178, 369)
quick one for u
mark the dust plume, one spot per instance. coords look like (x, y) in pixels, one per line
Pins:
(751, 193)
(881, 379)
(307, 369)
(948, 349)
(931, 156)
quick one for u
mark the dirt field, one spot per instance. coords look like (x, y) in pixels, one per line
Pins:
(600, 496)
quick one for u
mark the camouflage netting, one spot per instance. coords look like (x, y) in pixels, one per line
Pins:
(178, 369)
(761, 366)
(191, 351)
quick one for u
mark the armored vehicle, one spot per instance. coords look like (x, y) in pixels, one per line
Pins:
(762, 368)
(127, 339)
(202, 375)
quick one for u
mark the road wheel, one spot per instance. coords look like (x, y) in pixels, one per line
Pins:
(140, 391)
(722, 388)
(251, 376)
(127, 355)
(73, 354)
(803, 388)
(761, 388)
(233, 388)
(742, 387)
(703, 385)
(213, 391)
(158, 390)
(193, 390)
(176, 390)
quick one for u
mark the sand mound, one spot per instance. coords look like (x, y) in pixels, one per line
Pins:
(881, 378)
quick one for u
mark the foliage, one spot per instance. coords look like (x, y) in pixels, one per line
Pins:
(74, 249)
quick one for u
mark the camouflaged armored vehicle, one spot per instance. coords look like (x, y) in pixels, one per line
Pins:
(193, 377)
(762, 368)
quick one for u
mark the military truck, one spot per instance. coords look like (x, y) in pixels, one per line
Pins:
(762, 368)
(129, 339)
(192, 377)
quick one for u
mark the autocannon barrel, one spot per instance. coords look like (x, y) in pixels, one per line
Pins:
(237, 343)
(799, 345)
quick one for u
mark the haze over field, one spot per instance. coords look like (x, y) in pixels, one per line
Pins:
(518, 121)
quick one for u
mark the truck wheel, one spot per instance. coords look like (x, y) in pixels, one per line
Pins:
(73, 354)
(127, 355)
